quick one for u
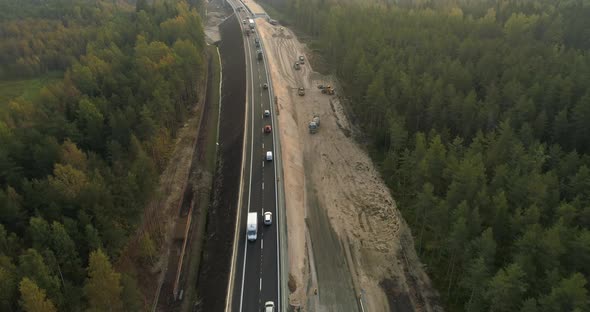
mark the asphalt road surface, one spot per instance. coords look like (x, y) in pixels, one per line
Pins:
(256, 278)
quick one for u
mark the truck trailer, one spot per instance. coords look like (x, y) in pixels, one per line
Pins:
(252, 226)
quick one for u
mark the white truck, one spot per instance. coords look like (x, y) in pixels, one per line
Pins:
(251, 23)
(314, 124)
(252, 226)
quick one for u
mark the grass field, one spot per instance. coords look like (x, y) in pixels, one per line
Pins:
(27, 88)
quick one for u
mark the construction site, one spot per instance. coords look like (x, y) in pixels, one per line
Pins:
(347, 242)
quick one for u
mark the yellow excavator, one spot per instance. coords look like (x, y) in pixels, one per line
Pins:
(328, 90)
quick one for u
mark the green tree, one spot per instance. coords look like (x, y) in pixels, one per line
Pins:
(474, 281)
(569, 295)
(131, 295)
(91, 122)
(9, 243)
(530, 305)
(11, 212)
(65, 251)
(506, 289)
(39, 232)
(425, 202)
(147, 248)
(32, 266)
(8, 284)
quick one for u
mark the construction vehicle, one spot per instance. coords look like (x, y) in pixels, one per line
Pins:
(314, 124)
(296, 66)
(301, 59)
(301, 91)
(259, 52)
(328, 90)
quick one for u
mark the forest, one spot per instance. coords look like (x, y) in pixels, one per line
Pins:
(80, 158)
(478, 115)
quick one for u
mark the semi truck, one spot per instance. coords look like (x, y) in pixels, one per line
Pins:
(252, 227)
(251, 23)
(314, 124)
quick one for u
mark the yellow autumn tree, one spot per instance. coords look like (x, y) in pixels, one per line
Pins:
(33, 298)
(103, 285)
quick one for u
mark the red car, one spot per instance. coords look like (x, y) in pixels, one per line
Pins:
(267, 128)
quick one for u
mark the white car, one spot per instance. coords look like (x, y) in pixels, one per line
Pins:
(269, 306)
(266, 113)
(268, 218)
(269, 156)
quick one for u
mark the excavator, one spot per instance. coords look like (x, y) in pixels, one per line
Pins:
(328, 90)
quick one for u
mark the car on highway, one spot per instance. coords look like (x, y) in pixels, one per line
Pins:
(244, 22)
(265, 86)
(266, 113)
(269, 306)
(269, 156)
(268, 218)
(267, 129)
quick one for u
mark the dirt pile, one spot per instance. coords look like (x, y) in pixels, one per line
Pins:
(329, 171)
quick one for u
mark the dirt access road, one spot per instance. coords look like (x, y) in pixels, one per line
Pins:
(346, 238)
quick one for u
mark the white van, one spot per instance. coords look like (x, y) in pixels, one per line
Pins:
(269, 155)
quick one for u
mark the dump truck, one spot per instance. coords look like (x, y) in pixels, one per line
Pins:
(259, 52)
(251, 23)
(296, 65)
(301, 91)
(314, 124)
(252, 226)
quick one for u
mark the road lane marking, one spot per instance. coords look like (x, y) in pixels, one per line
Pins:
(263, 185)
(262, 241)
(260, 284)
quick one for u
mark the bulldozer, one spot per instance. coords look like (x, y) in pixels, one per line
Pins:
(328, 90)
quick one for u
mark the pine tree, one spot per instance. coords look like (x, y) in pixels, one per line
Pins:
(506, 289)
(569, 295)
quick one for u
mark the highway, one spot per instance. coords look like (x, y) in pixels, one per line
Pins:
(256, 275)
